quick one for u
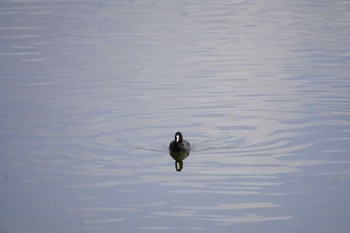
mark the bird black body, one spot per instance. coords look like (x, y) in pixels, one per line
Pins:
(179, 149)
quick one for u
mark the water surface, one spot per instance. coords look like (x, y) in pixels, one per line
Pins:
(91, 94)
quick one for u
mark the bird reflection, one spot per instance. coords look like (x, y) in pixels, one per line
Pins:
(179, 150)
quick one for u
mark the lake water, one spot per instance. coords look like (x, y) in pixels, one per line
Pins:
(92, 93)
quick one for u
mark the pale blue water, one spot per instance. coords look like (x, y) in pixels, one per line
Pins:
(92, 92)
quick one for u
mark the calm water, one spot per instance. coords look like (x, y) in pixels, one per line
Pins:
(92, 92)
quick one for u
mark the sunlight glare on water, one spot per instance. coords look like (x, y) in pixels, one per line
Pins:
(92, 93)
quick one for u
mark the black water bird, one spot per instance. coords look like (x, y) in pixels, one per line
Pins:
(179, 149)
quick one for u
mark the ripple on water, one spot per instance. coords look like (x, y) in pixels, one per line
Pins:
(91, 95)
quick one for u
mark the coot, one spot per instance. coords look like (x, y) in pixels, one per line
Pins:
(179, 144)
(179, 150)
